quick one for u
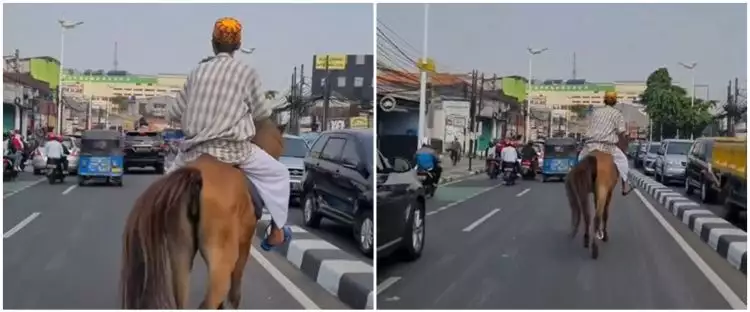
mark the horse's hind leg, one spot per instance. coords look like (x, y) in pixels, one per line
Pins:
(601, 195)
(182, 255)
(235, 291)
(605, 233)
(220, 252)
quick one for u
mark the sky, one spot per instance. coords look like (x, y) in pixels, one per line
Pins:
(173, 38)
(612, 42)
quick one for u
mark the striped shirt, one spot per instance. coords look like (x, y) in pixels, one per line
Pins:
(216, 108)
(605, 124)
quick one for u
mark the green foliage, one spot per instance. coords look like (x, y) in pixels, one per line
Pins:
(580, 110)
(670, 108)
(121, 103)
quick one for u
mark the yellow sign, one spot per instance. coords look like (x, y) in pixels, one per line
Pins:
(428, 66)
(359, 123)
(335, 61)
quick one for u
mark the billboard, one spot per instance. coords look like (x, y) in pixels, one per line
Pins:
(335, 61)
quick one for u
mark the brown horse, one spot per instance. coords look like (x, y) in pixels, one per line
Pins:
(203, 207)
(597, 174)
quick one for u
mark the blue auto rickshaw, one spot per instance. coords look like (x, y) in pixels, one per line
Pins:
(560, 156)
(101, 157)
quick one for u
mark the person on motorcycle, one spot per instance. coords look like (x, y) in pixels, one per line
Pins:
(427, 160)
(605, 128)
(509, 156)
(55, 151)
(216, 108)
(15, 149)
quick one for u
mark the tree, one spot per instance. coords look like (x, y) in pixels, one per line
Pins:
(270, 94)
(580, 110)
(670, 109)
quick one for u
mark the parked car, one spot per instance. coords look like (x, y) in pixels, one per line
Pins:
(671, 160)
(716, 167)
(401, 209)
(648, 157)
(144, 149)
(338, 183)
(295, 151)
(39, 158)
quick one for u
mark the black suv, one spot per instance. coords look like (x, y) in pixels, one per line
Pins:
(143, 149)
(338, 183)
(401, 209)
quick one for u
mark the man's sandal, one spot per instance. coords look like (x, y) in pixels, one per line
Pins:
(266, 246)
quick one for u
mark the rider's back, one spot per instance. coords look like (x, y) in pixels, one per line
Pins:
(425, 158)
(603, 127)
(217, 102)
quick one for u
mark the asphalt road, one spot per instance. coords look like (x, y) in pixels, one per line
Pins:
(717, 209)
(62, 247)
(496, 247)
(335, 233)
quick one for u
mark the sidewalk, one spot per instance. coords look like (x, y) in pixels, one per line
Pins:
(461, 169)
(23, 181)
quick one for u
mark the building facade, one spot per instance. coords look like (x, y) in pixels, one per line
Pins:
(350, 75)
(100, 89)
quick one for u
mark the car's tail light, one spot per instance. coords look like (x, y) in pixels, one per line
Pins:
(73, 153)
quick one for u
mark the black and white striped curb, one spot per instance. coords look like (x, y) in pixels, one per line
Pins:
(462, 176)
(723, 237)
(338, 272)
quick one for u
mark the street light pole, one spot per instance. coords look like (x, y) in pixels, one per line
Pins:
(423, 81)
(691, 68)
(532, 53)
(64, 25)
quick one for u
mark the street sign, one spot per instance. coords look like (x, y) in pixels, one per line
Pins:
(387, 103)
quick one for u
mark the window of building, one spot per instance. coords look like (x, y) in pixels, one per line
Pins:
(341, 82)
(137, 83)
(360, 60)
(323, 82)
(149, 84)
(359, 81)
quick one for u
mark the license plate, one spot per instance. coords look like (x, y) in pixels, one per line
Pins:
(143, 149)
(508, 169)
(421, 177)
(116, 170)
(51, 166)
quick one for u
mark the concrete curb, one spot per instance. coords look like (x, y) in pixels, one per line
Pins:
(444, 180)
(338, 272)
(723, 237)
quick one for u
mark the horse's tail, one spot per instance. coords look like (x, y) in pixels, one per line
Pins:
(578, 185)
(160, 215)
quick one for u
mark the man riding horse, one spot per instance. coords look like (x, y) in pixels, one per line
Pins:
(216, 109)
(606, 127)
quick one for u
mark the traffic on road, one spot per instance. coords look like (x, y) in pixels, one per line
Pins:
(491, 246)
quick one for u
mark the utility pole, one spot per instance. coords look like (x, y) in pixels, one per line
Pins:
(298, 109)
(472, 113)
(293, 100)
(326, 95)
(423, 81)
(728, 110)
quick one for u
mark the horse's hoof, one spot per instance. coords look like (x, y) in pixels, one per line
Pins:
(606, 237)
(599, 235)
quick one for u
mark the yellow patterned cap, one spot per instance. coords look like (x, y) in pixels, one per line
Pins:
(227, 30)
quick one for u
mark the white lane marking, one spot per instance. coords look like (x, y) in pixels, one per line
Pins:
(462, 179)
(523, 192)
(20, 225)
(290, 287)
(444, 207)
(23, 188)
(734, 301)
(482, 219)
(388, 282)
(69, 189)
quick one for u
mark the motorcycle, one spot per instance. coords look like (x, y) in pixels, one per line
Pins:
(527, 171)
(494, 169)
(509, 176)
(9, 173)
(55, 171)
(427, 178)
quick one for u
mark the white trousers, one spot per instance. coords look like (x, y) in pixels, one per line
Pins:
(270, 177)
(621, 162)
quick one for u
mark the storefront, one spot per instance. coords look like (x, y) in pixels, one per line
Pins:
(9, 116)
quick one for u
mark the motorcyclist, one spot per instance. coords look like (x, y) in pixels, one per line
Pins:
(15, 147)
(509, 156)
(55, 151)
(427, 160)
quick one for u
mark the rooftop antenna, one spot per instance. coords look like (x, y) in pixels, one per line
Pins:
(115, 58)
(574, 65)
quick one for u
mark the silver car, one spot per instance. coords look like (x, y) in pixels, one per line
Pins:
(671, 160)
(649, 157)
(39, 159)
(295, 150)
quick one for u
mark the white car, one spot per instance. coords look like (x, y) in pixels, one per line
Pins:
(39, 159)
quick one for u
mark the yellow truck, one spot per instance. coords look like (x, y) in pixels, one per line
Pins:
(717, 167)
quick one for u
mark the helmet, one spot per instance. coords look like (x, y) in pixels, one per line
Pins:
(51, 137)
(610, 97)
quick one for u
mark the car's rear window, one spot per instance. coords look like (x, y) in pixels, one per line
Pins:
(142, 136)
